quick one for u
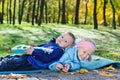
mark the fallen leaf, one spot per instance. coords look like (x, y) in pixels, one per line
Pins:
(103, 73)
(115, 54)
(13, 76)
(110, 69)
(82, 71)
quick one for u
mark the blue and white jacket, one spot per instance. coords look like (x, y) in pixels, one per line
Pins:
(69, 57)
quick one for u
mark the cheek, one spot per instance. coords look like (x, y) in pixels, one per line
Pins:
(80, 53)
(65, 44)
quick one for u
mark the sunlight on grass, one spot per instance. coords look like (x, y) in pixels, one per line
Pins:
(107, 40)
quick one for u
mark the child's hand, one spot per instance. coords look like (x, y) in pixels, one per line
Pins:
(66, 68)
(29, 50)
(31, 43)
(58, 66)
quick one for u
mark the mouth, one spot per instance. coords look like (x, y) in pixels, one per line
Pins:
(59, 41)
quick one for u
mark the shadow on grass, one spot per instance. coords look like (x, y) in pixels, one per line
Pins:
(50, 32)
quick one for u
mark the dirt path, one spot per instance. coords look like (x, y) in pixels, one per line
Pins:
(91, 75)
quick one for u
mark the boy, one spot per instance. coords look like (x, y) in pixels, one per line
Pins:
(73, 57)
(38, 59)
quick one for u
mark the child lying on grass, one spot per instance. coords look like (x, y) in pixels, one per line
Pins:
(73, 57)
(38, 59)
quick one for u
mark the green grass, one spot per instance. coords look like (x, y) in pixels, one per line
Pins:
(11, 36)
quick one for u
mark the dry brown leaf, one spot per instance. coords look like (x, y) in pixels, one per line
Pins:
(110, 69)
(95, 71)
(103, 73)
(68, 72)
(13, 76)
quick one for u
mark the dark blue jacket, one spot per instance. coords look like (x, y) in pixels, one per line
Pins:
(42, 59)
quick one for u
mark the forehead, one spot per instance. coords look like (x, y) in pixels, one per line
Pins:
(68, 37)
(84, 49)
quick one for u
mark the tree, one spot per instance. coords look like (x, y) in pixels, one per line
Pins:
(63, 12)
(77, 12)
(14, 12)
(7, 10)
(29, 11)
(2, 13)
(33, 12)
(21, 10)
(41, 12)
(104, 13)
(37, 11)
(95, 15)
(10, 12)
(113, 20)
(46, 13)
(59, 11)
(86, 12)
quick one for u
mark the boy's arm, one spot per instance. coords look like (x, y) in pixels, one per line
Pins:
(45, 57)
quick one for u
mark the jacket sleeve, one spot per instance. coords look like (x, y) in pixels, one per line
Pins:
(74, 66)
(62, 60)
(55, 55)
(67, 59)
(52, 66)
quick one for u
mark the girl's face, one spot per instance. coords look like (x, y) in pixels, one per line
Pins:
(64, 40)
(84, 53)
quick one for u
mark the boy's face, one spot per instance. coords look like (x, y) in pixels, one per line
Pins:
(84, 53)
(64, 40)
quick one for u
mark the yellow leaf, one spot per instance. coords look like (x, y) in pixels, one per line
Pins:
(65, 72)
(82, 71)
(106, 74)
(13, 76)
(115, 54)
(110, 69)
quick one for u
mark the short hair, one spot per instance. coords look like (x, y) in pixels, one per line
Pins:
(72, 35)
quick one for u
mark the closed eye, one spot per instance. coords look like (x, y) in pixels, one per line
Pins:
(84, 51)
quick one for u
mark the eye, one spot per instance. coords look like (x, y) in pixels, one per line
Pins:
(84, 51)
(66, 41)
(61, 36)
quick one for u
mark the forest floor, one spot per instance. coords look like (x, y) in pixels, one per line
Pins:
(91, 75)
(108, 40)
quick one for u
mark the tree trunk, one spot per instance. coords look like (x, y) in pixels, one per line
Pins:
(53, 16)
(29, 11)
(10, 12)
(14, 12)
(46, 15)
(86, 12)
(113, 20)
(2, 14)
(41, 11)
(104, 13)
(21, 11)
(77, 12)
(118, 20)
(58, 21)
(37, 12)
(33, 12)
(63, 12)
(7, 10)
(95, 15)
